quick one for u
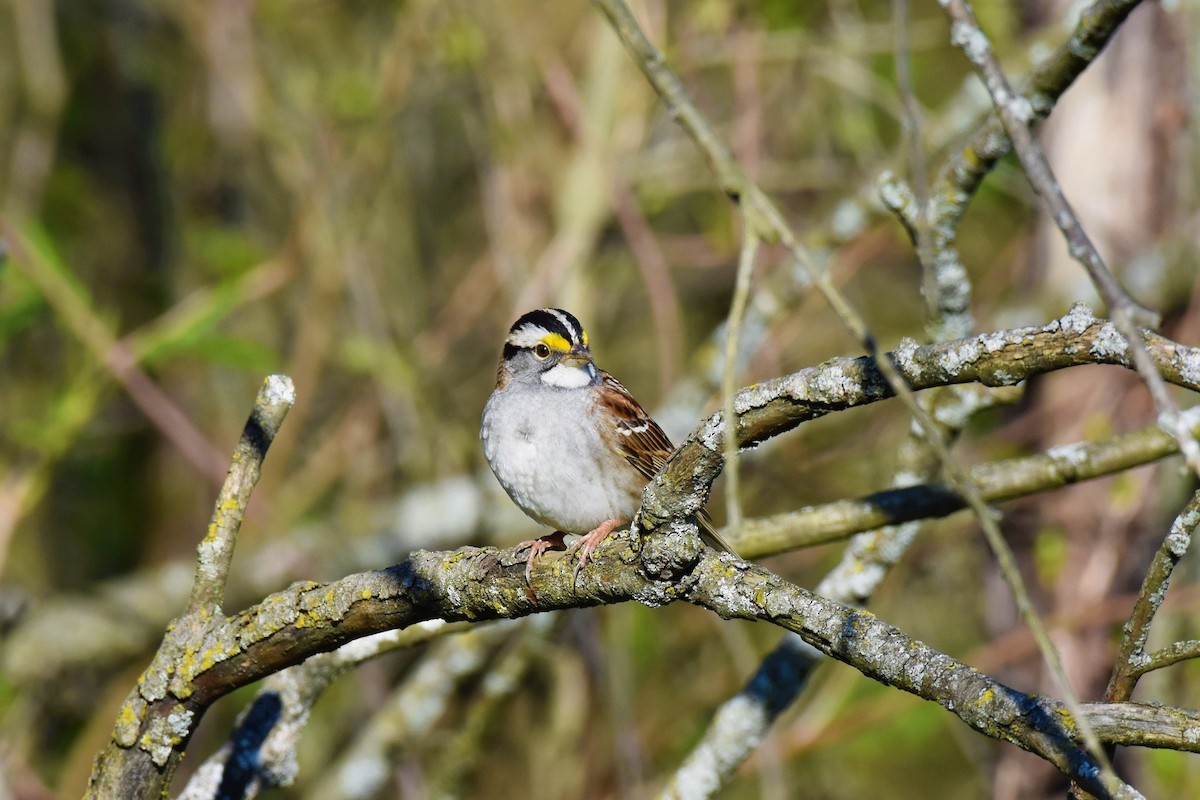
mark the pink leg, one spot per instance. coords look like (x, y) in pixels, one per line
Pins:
(536, 547)
(591, 540)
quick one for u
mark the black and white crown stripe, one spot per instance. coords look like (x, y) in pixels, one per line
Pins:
(532, 327)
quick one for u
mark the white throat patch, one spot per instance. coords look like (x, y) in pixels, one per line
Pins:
(565, 376)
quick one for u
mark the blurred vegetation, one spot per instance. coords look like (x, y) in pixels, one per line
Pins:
(364, 195)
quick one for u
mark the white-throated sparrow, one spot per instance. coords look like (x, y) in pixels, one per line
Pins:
(566, 440)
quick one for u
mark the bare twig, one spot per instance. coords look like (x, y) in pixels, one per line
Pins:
(1132, 660)
(215, 551)
(733, 333)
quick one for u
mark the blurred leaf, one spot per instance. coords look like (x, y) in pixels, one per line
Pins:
(1050, 554)
(222, 250)
(217, 348)
(21, 304)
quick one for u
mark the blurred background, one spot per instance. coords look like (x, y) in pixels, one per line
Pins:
(365, 195)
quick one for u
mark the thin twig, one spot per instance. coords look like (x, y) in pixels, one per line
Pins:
(215, 551)
(911, 125)
(1168, 656)
(733, 332)
(1131, 656)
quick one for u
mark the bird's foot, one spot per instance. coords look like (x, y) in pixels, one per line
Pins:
(536, 547)
(588, 543)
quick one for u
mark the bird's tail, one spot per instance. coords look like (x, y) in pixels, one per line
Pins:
(708, 533)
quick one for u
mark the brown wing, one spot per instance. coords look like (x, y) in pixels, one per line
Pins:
(639, 438)
(646, 446)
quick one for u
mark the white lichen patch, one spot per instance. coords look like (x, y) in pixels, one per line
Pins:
(712, 434)
(760, 394)
(166, 733)
(1076, 321)
(905, 357)
(834, 383)
(1021, 109)
(955, 359)
(894, 193)
(279, 389)
(993, 342)
(1177, 543)
(1139, 660)
(972, 41)
(1074, 455)
(1109, 344)
(1187, 361)
(892, 545)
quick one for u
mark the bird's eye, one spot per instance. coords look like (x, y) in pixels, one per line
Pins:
(541, 351)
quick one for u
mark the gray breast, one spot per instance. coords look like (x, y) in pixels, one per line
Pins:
(551, 461)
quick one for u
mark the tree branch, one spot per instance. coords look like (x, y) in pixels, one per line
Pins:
(998, 480)
(203, 660)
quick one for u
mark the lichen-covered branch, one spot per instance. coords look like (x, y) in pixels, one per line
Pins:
(155, 723)
(741, 722)
(965, 170)
(999, 358)
(478, 584)
(999, 480)
(1131, 656)
(291, 693)
(1015, 113)
(215, 552)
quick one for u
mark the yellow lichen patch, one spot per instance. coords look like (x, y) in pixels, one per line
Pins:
(1067, 719)
(366, 594)
(127, 717)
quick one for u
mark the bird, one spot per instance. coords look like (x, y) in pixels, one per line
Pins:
(569, 444)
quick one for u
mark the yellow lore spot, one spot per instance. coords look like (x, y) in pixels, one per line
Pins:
(558, 342)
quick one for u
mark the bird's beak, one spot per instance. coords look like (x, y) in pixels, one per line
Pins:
(578, 357)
